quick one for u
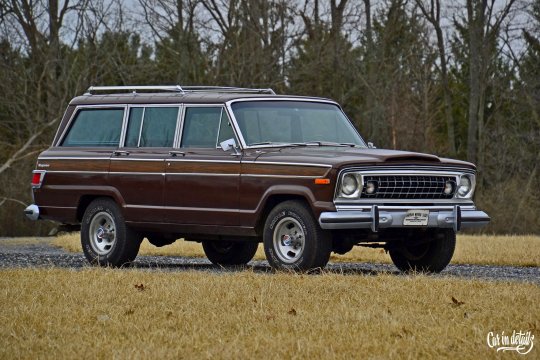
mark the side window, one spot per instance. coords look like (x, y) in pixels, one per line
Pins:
(201, 126)
(151, 126)
(95, 127)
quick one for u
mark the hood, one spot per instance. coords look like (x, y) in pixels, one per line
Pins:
(339, 157)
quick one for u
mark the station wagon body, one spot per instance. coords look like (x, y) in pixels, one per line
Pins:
(233, 167)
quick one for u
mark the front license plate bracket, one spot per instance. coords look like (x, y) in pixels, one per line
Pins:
(416, 218)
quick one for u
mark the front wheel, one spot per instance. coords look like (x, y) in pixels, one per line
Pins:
(430, 256)
(293, 239)
(105, 238)
(229, 253)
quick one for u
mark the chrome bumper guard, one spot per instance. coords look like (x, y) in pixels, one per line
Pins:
(32, 212)
(376, 219)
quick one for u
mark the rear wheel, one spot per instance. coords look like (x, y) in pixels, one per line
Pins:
(105, 238)
(229, 252)
(293, 240)
(431, 256)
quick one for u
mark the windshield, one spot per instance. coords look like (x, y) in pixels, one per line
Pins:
(294, 123)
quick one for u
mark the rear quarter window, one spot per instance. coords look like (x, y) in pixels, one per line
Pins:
(94, 128)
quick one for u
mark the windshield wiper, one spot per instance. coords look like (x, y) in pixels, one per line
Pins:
(325, 143)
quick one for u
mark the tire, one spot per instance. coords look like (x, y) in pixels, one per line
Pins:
(431, 257)
(293, 240)
(227, 253)
(105, 238)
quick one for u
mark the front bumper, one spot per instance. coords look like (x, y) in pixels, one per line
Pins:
(380, 217)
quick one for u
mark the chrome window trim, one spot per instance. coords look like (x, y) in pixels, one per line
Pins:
(82, 107)
(219, 126)
(229, 103)
(57, 130)
(186, 106)
(144, 106)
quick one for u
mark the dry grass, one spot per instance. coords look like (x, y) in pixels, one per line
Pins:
(470, 249)
(105, 313)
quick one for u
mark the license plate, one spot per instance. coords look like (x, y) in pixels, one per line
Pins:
(416, 218)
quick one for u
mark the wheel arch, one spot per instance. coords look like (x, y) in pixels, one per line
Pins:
(86, 199)
(278, 194)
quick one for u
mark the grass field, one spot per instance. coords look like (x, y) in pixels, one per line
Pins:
(106, 313)
(470, 249)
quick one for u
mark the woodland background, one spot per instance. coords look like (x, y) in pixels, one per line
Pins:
(455, 78)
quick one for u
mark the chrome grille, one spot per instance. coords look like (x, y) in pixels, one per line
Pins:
(408, 187)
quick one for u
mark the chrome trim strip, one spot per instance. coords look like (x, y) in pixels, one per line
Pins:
(45, 158)
(188, 208)
(447, 207)
(76, 172)
(201, 174)
(204, 161)
(135, 173)
(255, 162)
(136, 159)
(283, 176)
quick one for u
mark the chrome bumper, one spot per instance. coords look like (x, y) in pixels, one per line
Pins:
(32, 212)
(378, 218)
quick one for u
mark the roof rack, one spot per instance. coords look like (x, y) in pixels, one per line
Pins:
(178, 89)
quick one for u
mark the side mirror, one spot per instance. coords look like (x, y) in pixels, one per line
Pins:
(227, 144)
(371, 146)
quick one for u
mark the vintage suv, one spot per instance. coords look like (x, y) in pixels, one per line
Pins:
(232, 167)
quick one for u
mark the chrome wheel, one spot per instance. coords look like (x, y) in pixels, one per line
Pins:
(289, 239)
(102, 233)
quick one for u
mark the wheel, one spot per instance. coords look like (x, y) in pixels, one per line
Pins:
(293, 239)
(229, 252)
(431, 256)
(105, 238)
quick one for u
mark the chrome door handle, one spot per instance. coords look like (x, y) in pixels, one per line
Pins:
(176, 153)
(121, 153)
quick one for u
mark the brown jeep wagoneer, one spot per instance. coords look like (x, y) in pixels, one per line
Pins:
(232, 167)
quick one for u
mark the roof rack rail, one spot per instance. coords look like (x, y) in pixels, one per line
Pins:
(179, 89)
(172, 88)
(228, 89)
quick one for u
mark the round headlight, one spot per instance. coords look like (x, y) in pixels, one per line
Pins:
(349, 184)
(465, 185)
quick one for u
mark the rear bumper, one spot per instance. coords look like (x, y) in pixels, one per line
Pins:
(380, 217)
(32, 212)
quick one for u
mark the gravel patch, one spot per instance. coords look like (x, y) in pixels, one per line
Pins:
(40, 253)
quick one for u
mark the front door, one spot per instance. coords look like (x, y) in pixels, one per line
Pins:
(202, 180)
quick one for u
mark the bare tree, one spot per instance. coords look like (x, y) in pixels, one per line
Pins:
(432, 13)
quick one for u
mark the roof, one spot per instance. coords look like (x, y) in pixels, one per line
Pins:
(174, 95)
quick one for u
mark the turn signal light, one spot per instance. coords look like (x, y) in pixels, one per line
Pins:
(322, 181)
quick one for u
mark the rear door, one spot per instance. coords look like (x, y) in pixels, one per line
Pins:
(202, 180)
(137, 169)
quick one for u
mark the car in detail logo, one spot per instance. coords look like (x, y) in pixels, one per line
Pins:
(521, 342)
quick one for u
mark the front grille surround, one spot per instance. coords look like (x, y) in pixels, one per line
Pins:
(406, 184)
